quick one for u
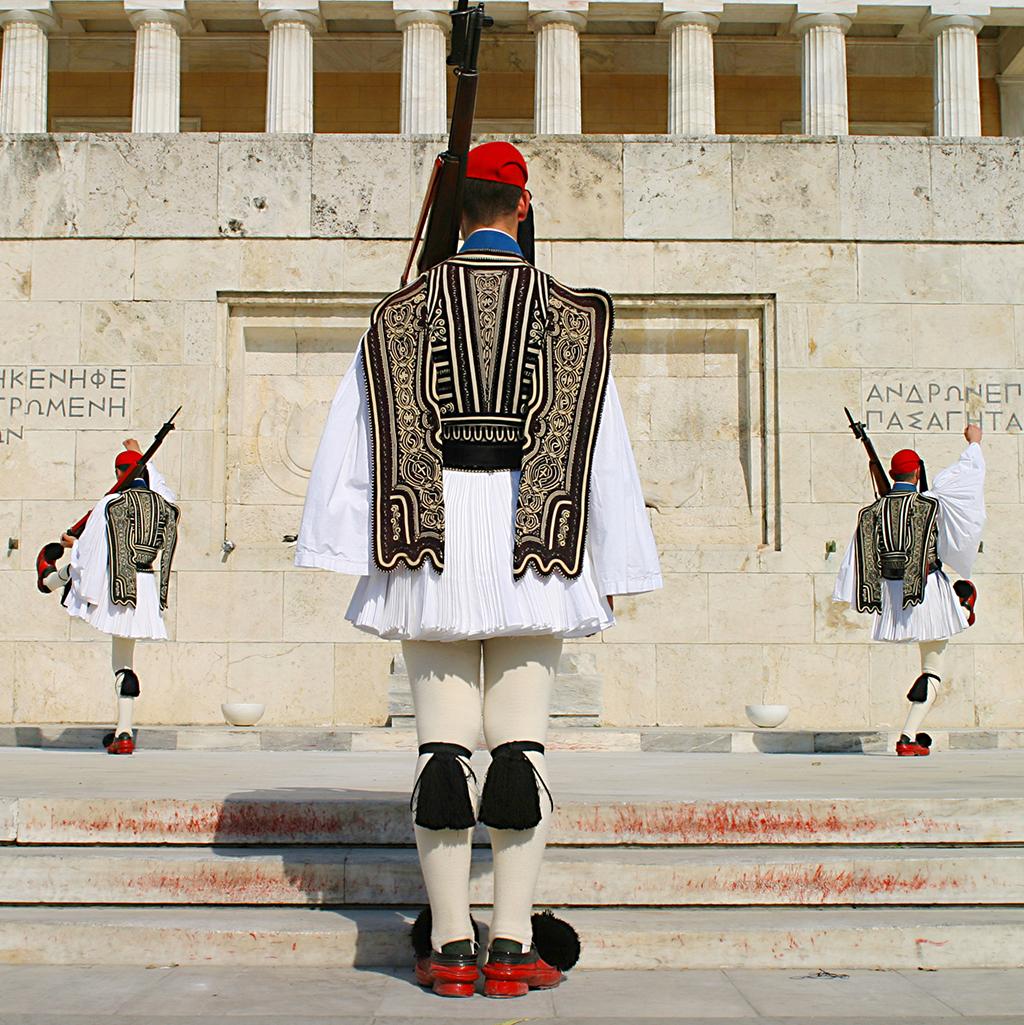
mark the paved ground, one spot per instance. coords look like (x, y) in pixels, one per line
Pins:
(578, 775)
(42, 995)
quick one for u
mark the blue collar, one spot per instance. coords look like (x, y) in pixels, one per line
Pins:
(492, 240)
(904, 485)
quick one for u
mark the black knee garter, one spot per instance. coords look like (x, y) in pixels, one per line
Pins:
(919, 692)
(441, 796)
(129, 683)
(511, 797)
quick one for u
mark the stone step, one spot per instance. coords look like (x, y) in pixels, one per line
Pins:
(372, 821)
(563, 736)
(570, 876)
(867, 938)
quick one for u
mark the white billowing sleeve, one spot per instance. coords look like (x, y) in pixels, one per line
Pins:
(89, 563)
(620, 541)
(960, 489)
(335, 530)
(158, 483)
(845, 578)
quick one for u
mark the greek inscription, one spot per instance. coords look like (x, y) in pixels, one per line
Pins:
(935, 406)
(36, 397)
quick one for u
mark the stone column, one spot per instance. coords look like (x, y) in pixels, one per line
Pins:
(290, 68)
(558, 108)
(1011, 104)
(156, 97)
(957, 90)
(824, 106)
(424, 72)
(23, 73)
(691, 73)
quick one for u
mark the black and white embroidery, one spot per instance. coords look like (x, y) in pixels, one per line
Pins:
(140, 526)
(896, 539)
(486, 351)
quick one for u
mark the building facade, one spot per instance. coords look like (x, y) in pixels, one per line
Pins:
(205, 200)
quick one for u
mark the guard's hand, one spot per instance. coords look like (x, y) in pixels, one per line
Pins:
(132, 445)
(973, 434)
(67, 540)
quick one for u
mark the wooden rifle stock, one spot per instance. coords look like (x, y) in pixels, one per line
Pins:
(442, 206)
(879, 478)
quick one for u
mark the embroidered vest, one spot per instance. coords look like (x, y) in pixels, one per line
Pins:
(140, 526)
(896, 539)
(486, 363)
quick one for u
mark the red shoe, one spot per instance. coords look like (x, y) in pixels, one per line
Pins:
(918, 747)
(514, 975)
(448, 975)
(122, 744)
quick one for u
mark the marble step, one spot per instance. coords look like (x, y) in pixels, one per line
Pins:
(385, 820)
(570, 877)
(867, 938)
(569, 732)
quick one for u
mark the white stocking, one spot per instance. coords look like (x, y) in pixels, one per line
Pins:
(932, 662)
(519, 674)
(122, 656)
(445, 680)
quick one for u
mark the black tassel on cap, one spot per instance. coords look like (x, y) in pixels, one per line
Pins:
(421, 929)
(511, 797)
(555, 941)
(441, 794)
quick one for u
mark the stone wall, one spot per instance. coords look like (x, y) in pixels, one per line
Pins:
(764, 284)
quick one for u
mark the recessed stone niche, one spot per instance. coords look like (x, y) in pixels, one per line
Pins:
(697, 381)
(696, 378)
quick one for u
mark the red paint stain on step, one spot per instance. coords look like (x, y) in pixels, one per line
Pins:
(820, 883)
(742, 822)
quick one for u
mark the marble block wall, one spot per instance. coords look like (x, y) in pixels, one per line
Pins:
(764, 284)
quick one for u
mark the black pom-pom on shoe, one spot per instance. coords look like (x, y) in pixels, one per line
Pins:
(555, 940)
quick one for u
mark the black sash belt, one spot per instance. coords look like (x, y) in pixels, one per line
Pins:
(477, 455)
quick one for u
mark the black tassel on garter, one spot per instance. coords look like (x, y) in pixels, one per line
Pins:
(919, 692)
(441, 794)
(511, 797)
(555, 940)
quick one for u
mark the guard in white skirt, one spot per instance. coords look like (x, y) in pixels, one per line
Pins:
(118, 576)
(476, 475)
(895, 565)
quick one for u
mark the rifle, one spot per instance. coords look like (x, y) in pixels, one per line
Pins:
(879, 478)
(51, 552)
(442, 205)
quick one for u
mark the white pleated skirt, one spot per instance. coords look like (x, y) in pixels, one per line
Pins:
(144, 621)
(939, 616)
(476, 596)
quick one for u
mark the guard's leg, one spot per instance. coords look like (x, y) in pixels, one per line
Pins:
(921, 697)
(126, 690)
(55, 579)
(519, 674)
(445, 680)
(48, 577)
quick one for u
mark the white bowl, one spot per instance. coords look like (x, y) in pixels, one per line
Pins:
(767, 716)
(238, 713)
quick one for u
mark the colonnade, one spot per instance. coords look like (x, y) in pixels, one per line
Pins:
(292, 25)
